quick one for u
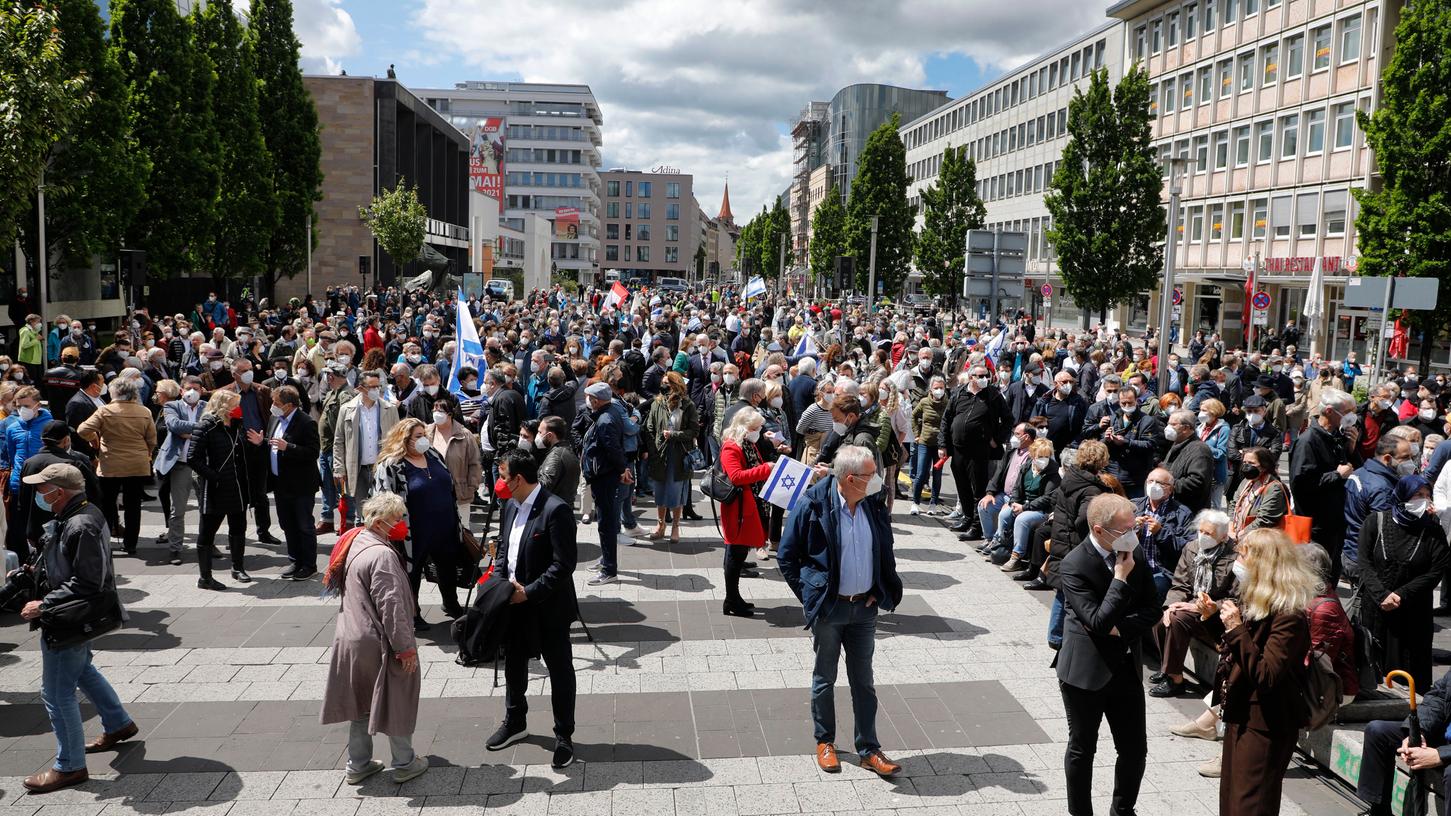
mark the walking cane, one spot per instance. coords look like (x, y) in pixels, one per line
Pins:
(1413, 801)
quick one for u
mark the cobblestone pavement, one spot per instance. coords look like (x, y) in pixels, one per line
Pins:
(681, 709)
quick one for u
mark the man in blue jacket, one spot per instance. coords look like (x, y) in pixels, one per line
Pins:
(836, 555)
(605, 469)
(1371, 488)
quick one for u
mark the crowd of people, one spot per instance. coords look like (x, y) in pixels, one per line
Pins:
(1224, 509)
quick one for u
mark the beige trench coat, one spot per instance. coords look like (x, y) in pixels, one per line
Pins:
(365, 680)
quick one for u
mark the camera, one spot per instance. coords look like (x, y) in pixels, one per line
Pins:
(20, 588)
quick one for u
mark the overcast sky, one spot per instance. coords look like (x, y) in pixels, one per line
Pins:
(708, 87)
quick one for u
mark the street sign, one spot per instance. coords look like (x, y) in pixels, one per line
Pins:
(1047, 290)
(1248, 264)
(1261, 301)
(1178, 296)
(1047, 304)
(1260, 318)
(1178, 312)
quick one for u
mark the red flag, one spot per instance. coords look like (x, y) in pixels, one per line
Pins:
(1249, 286)
(1400, 341)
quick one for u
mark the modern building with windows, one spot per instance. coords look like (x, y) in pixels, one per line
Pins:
(828, 137)
(651, 223)
(1257, 99)
(1015, 129)
(549, 140)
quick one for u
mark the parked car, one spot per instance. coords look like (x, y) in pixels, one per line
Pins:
(673, 284)
(499, 289)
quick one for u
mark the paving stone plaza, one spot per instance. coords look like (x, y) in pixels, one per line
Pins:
(681, 709)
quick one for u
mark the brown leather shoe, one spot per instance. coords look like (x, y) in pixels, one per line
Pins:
(878, 762)
(323, 527)
(106, 742)
(52, 780)
(826, 758)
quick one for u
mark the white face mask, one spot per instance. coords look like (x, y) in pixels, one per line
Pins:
(421, 445)
(1207, 541)
(431, 390)
(440, 417)
(246, 377)
(27, 414)
(1348, 421)
(715, 378)
(216, 365)
(753, 436)
(982, 382)
(1240, 571)
(371, 393)
(1428, 413)
(1040, 463)
(1015, 442)
(1205, 418)
(839, 427)
(1171, 433)
(539, 442)
(1042, 433)
(525, 442)
(1156, 491)
(730, 379)
(924, 365)
(1128, 410)
(1254, 420)
(344, 359)
(191, 396)
(883, 394)
(874, 484)
(1126, 542)
(777, 402)
(1418, 507)
(1065, 388)
(938, 393)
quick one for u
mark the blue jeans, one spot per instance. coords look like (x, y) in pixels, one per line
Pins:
(329, 489)
(853, 625)
(607, 494)
(1162, 581)
(62, 672)
(1023, 524)
(921, 470)
(1055, 620)
(995, 515)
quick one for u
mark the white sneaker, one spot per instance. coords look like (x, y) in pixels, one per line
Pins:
(412, 770)
(373, 766)
(625, 541)
(915, 510)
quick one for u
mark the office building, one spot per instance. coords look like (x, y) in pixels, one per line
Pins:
(537, 147)
(1015, 129)
(831, 135)
(1258, 99)
(651, 223)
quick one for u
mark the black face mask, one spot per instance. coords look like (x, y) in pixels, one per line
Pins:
(1249, 471)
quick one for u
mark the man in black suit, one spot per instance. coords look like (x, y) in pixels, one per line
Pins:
(81, 406)
(537, 554)
(1109, 604)
(292, 475)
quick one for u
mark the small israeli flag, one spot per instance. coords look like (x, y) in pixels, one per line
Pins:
(788, 480)
(755, 287)
(807, 346)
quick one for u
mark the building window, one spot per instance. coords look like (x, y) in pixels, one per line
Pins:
(1191, 21)
(1186, 85)
(1169, 96)
(1246, 71)
(1259, 215)
(627, 253)
(1206, 85)
(1241, 146)
(642, 254)
(1350, 39)
(1196, 225)
(1306, 206)
(612, 232)
(612, 253)
(629, 189)
(1216, 222)
(1156, 37)
(1335, 213)
(1280, 215)
(1171, 35)
(1321, 39)
(1289, 136)
(1251, 7)
(629, 209)
(1231, 11)
(672, 232)
(672, 189)
(1221, 150)
(1294, 56)
(1270, 63)
(645, 188)
(1344, 124)
(1314, 132)
(612, 209)
(1226, 78)
(1201, 154)
(672, 254)
(644, 209)
(1265, 136)
(629, 232)
(1236, 221)
(672, 212)
(1209, 15)
(612, 189)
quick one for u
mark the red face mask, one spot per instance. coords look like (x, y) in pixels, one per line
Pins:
(236, 413)
(399, 531)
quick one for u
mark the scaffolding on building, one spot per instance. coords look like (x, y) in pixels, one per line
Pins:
(806, 137)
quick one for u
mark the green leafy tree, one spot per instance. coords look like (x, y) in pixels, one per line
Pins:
(1404, 224)
(776, 225)
(96, 178)
(171, 84)
(290, 132)
(1108, 220)
(951, 207)
(41, 96)
(397, 219)
(699, 261)
(880, 189)
(246, 210)
(828, 235)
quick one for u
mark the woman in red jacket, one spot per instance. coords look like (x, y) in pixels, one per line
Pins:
(746, 464)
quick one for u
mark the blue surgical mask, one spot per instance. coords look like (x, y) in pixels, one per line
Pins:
(42, 503)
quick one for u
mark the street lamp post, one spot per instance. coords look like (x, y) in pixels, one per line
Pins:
(1166, 292)
(41, 258)
(872, 271)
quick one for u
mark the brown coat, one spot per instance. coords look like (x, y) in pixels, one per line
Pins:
(1261, 667)
(127, 436)
(375, 623)
(464, 460)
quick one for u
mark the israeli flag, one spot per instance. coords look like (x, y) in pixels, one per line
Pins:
(788, 480)
(755, 287)
(807, 346)
(470, 350)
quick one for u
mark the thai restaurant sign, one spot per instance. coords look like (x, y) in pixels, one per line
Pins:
(1329, 264)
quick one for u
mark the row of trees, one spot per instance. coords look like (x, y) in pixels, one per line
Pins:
(154, 137)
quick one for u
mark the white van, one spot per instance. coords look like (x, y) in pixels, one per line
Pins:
(611, 275)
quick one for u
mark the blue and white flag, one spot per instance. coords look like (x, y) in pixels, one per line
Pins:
(755, 287)
(470, 350)
(788, 480)
(807, 347)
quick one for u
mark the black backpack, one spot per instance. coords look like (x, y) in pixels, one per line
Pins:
(480, 632)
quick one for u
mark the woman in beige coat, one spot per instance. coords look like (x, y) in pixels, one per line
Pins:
(124, 432)
(373, 680)
(460, 450)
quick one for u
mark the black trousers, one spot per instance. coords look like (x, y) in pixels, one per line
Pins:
(129, 489)
(446, 589)
(294, 516)
(734, 558)
(236, 538)
(558, 659)
(970, 474)
(1378, 764)
(1122, 702)
(259, 462)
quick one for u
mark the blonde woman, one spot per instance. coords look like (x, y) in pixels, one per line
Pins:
(745, 463)
(373, 682)
(896, 433)
(125, 433)
(409, 467)
(1265, 639)
(670, 432)
(220, 470)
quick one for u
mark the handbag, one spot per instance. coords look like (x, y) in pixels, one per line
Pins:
(1297, 528)
(463, 572)
(718, 487)
(82, 619)
(695, 460)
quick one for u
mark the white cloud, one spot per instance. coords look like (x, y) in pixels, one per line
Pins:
(711, 87)
(327, 33)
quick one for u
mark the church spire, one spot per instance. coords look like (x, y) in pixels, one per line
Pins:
(725, 206)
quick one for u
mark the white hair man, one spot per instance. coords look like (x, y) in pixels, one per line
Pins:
(1319, 466)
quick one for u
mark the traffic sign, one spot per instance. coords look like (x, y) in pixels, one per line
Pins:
(1178, 312)
(1248, 264)
(1261, 301)
(1260, 318)
(1047, 304)
(1047, 290)
(1178, 296)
